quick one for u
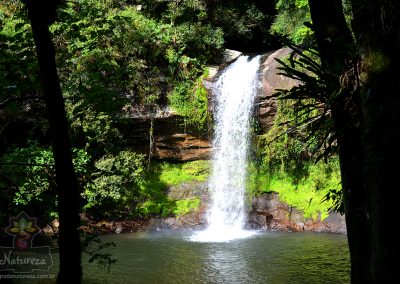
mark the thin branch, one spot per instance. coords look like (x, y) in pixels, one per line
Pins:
(25, 164)
(13, 99)
(7, 179)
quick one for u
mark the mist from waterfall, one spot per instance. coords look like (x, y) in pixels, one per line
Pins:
(233, 96)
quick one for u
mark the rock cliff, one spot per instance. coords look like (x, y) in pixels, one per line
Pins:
(271, 81)
(164, 135)
(266, 212)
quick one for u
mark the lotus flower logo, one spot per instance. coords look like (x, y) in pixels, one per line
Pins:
(22, 257)
(23, 228)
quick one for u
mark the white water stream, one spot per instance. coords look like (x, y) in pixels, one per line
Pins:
(234, 95)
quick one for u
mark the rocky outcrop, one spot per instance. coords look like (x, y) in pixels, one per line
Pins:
(181, 146)
(194, 220)
(271, 81)
(164, 136)
(187, 190)
(268, 212)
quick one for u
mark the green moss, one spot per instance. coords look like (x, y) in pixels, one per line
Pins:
(174, 174)
(160, 176)
(186, 206)
(258, 179)
(149, 208)
(307, 194)
(191, 101)
(289, 21)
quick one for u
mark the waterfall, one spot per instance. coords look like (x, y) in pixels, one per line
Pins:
(234, 94)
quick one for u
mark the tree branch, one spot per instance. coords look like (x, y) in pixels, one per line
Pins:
(14, 99)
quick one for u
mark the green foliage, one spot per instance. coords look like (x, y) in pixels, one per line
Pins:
(301, 134)
(94, 247)
(303, 130)
(111, 57)
(27, 175)
(292, 14)
(32, 169)
(121, 186)
(152, 207)
(192, 102)
(307, 194)
(244, 23)
(17, 53)
(311, 101)
(258, 178)
(285, 148)
(113, 187)
(174, 174)
(162, 175)
(109, 43)
(186, 206)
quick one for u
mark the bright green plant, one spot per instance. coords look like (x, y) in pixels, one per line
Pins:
(173, 174)
(27, 178)
(192, 102)
(307, 194)
(292, 14)
(114, 186)
(159, 177)
(186, 206)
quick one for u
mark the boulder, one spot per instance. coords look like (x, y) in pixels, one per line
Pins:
(271, 81)
(165, 137)
(189, 190)
(181, 146)
(267, 211)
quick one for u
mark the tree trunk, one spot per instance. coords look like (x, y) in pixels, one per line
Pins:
(381, 140)
(377, 29)
(367, 123)
(332, 35)
(40, 15)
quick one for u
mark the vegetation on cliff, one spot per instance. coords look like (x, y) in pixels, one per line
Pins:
(112, 57)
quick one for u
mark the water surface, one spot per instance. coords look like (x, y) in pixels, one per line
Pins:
(264, 258)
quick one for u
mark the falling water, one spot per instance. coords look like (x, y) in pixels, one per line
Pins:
(234, 94)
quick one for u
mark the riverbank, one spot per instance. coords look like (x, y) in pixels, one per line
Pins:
(266, 212)
(283, 219)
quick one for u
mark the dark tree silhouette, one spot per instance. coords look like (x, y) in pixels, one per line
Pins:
(366, 115)
(41, 14)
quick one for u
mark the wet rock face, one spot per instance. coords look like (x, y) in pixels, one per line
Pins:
(271, 81)
(188, 190)
(193, 220)
(265, 106)
(182, 147)
(164, 134)
(166, 138)
(268, 212)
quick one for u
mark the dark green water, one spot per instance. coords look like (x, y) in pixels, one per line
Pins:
(264, 258)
